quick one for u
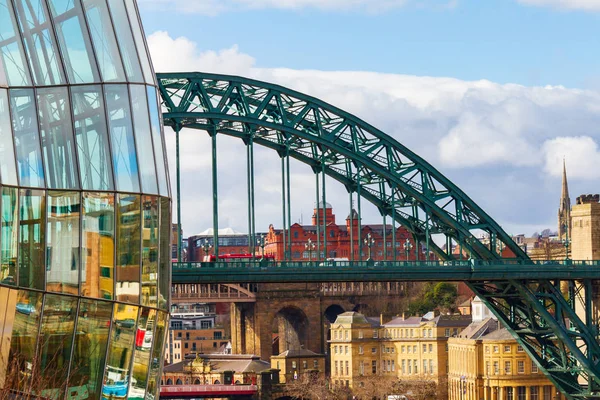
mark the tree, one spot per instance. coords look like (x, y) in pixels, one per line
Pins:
(440, 296)
(314, 386)
(416, 389)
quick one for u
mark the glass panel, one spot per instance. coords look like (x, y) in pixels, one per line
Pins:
(27, 141)
(157, 354)
(74, 41)
(128, 248)
(143, 139)
(91, 341)
(57, 138)
(164, 279)
(121, 136)
(140, 42)
(92, 138)
(122, 339)
(11, 49)
(8, 169)
(31, 238)
(8, 259)
(105, 43)
(98, 245)
(143, 346)
(23, 343)
(149, 250)
(56, 338)
(157, 140)
(126, 44)
(8, 302)
(39, 42)
(62, 238)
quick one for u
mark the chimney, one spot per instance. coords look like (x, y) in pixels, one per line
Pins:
(380, 319)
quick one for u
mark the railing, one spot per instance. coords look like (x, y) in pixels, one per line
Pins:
(175, 389)
(347, 271)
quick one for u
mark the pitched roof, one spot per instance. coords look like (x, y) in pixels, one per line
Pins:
(476, 330)
(299, 353)
(499, 334)
(352, 317)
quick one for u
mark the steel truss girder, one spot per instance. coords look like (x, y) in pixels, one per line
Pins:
(317, 132)
(547, 326)
(418, 196)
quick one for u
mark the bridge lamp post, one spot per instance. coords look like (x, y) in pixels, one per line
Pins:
(206, 247)
(369, 242)
(262, 242)
(407, 247)
(309, 246)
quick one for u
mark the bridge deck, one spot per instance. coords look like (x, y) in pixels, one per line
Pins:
(200, 391)
(382, 271)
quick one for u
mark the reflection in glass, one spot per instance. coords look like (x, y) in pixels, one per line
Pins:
(27, 141)
(143, 347)
(55, 342)
(98, 245)
(74, 41)
(39, 42)
(91, 341)
(8, 256)
(62, 237)
(57, 138)
(31, 238)
(157, 140)
(105, 43)
(164, 280)
(157, 350)
(149, 250)
(140, 43)
(92, 139)
(143, 138)
(8, 169)
(24, 341)
(8, 304)
(128, 248)
(126, 44)
(13, 63)
(121, 137)
(122, 339)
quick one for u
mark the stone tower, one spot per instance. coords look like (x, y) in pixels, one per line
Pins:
(564, 208)
(585, 235)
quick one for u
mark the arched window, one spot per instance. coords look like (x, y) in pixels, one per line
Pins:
(237, 382)
(197, 381)
(217, 382)
(169, 381)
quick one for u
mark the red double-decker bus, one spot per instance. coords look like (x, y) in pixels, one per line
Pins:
(238, 257)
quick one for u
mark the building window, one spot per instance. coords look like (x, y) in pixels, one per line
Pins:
(360, 334)
(507, 367)
(409, 349)
(430, 332)
(346, 335)
(424, 348)
(415, 348)
(295, 234)
(360, 349)
(334, 349)
(487, 349)
(534, 367)
(521, 367)
(316, 364)
(403, 367)
(520, 349)
(345, 349)
(409, 367)
(496, 367)
(521, 392)
(487, 367)
(402, 349)
(393, 365)
(374, 350)
(495, 349)
(347, 369)
(305, 254)
(304, 364)
(509, 392)
(374, 333)
(294, 364)
(336, 368)
(424, 366)
(430, 348)
(431, 366)
(507, 349)
(416, 366)
(447, 332)
(548, 392)
(361, 368)
(535, 394)
(373, 367)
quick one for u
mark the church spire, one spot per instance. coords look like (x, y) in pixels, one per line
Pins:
(564, 208)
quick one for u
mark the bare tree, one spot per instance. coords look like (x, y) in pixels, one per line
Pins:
(315, 387)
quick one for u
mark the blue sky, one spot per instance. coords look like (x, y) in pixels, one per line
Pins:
(493, 93)
(499, 40)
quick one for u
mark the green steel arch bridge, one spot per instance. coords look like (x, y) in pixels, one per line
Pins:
(548, 307)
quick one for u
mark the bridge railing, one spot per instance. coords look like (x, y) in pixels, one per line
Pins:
(206, 388)
(260, 264)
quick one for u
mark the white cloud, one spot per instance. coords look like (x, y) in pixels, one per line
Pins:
(589, 5)
(502, 139)
(214, 7)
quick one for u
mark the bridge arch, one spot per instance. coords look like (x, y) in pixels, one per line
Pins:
(402, 186)
(292, 326)
(332, 312)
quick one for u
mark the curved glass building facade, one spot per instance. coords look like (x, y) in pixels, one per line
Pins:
(85, 208)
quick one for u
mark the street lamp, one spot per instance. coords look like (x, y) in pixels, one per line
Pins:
(407, 247)
(262, 242)
(566, 241)
(206, 247)
(310, 246)
(369, 242)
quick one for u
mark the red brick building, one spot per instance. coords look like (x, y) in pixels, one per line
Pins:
(338, 240)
